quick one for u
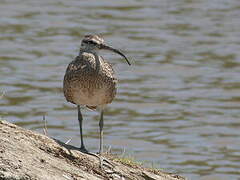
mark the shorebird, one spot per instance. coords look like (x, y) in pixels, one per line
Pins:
(90, 81)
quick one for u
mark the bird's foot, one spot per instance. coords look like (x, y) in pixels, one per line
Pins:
(83, 149)
(103, 161)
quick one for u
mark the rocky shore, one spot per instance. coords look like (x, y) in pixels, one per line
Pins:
(27, 155)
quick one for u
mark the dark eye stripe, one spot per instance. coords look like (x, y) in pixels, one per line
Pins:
(89, 41)
(92, 42)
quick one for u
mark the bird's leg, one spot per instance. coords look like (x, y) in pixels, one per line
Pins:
(83, 149)
(101, 132)
(80, 119)
(101, 159)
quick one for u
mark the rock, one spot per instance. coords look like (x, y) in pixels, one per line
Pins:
(27, 155)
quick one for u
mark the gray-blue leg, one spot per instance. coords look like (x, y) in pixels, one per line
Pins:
(80, 119)
(101, 132)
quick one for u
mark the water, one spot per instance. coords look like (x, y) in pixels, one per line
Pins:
(177, 106)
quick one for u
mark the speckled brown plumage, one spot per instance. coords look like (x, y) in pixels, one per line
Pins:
(89, 80)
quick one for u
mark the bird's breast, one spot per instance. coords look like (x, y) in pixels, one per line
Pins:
(88, 83)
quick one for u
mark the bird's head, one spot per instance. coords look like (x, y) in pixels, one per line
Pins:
(94, 43)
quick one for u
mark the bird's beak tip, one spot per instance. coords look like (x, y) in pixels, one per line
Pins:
(106, 47)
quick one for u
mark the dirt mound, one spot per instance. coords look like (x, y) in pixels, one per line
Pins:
(27, 155)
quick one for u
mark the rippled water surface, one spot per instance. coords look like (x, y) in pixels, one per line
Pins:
(177, 106)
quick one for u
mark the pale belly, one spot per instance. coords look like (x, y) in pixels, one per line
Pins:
(92, 95)
(97, 97)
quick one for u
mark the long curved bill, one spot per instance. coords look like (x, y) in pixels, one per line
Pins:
(103, 46)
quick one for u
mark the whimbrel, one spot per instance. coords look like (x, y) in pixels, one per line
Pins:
(90, 80)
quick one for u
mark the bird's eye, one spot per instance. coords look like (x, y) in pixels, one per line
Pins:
(92, 42)
(89, 42)
(85, 41)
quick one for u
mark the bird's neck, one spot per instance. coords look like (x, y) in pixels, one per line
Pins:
(91, 51)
